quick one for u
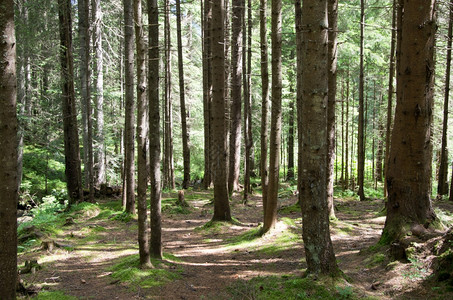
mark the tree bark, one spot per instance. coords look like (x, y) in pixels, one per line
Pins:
(207, 91)
(299, 32)
(346, 167)
(442, 184)
(142, 138)
(130, 105)
(236, 94)
(248, 137)
(361, 129)
(264, 168)
(313, 125)
(396, 14)
(168, 167)
(221, 201)
(71, 138)
(84, 34)
(99, 146)
(290, 173)
(154, 131)
(409, 170)
(332, 7)
(8, 153)
(270, 215)
(184, 111)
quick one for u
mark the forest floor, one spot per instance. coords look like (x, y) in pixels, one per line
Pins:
(96, 257)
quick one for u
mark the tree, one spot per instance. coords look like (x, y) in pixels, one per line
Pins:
(331, 101)
(409, 169)
(129, 166)
(98, 72)
(154, 130)
(71, 137)
(142, 138)
(361, 129)
(207, 90)
(85, 78)
(236, 93)
(396, 13)
(442, 185)
(168, 166)
(221, 201)
(8, 153)
(264, 101)
(184, 111)
(313, 126)
(270, 215)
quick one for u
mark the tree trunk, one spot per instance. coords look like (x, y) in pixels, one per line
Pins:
(442, 185)
(8, 153)
(396, 14)
(130, 105)
(313, 125)
(248, 137)
(169, 175)
(184, 112)
(290, 173)
(154, 130)
(270, 215)
(84, 34)
(236, 94)
(207, 91)
(409, 171)
(71, 138)
(221, 201)
(299, 32)
(99, 155)
(332, 7)
(361, 130)
(142, 138)
(264, 101)
(346, 167)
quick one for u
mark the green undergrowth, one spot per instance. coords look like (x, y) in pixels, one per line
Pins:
(128, 270)
(217, 227)
(53, 295)
(290, 287)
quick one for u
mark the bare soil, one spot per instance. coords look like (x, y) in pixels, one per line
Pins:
(210, 264)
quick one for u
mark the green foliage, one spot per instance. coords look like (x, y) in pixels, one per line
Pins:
(123, 217)
(128, 270)
(53, 295)
(288, 287)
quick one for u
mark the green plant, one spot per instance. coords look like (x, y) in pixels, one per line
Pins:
(54, 295)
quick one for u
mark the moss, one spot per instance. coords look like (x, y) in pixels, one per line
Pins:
(54, 295)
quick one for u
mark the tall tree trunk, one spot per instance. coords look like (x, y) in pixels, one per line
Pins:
(184, 111)
(169, 175)
(248, 138)
(221, 201)
(290, 173)
(8, 153)
(99, 149)
(207, 91)
(380, 146)
(299, 32)
(237, 51)
(270, 215)
(264, 168)
(312, 185)
(71, 138)
(332, 8)
(409, 172)
(346, 167)
(142, 138)
(361, 130)
(396, 15)
(130, 105)
(154, 130)
(442, 185)
(84, 33)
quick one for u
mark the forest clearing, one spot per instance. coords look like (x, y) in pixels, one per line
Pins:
(226, 149)
(97, 256)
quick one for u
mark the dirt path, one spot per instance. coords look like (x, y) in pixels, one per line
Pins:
(210, 262)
